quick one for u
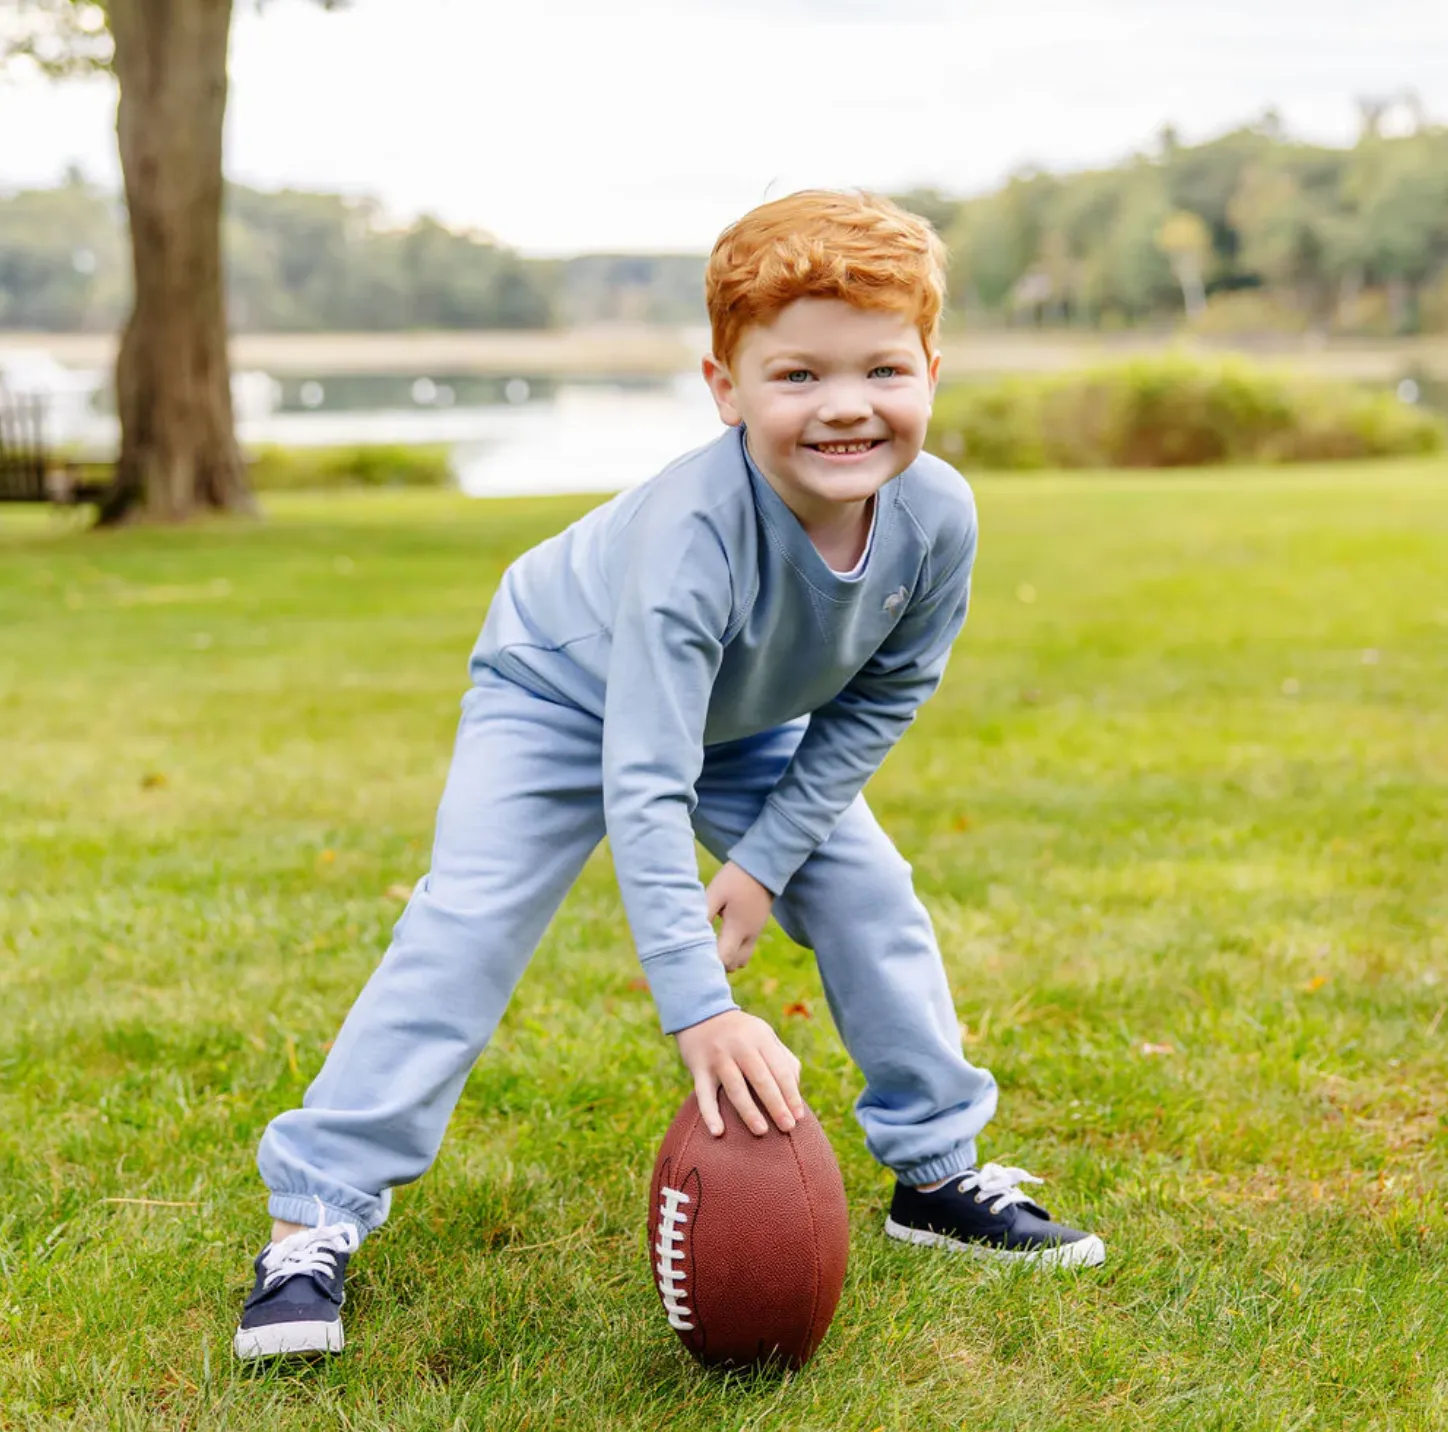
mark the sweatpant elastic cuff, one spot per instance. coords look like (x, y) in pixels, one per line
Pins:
(298, 1208)
(933, 1170)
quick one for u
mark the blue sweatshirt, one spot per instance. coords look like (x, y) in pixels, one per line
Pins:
(694, 609)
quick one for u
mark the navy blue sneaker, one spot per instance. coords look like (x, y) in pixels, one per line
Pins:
(984, 1213)
(296, 1306)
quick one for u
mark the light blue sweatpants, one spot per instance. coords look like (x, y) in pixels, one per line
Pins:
(521, 812)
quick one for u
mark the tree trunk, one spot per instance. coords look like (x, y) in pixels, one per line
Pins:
(1188, 270)
(178, 453)
(1349, 290)
(1398, 304)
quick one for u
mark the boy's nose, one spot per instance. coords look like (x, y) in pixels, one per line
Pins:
(844, 404)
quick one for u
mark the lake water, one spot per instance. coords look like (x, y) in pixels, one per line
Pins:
(508, 437)
(588, 438)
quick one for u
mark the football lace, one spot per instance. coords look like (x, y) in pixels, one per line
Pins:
(672, 1220)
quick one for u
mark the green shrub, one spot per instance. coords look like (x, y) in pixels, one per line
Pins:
(278, 469)
(1172, 411)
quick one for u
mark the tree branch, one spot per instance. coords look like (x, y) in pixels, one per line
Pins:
(57, 38)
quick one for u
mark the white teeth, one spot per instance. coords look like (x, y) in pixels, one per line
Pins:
(844, 447)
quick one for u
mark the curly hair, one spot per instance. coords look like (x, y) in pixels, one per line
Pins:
(824, 243)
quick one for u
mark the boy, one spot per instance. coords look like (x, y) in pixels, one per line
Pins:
(728, 651)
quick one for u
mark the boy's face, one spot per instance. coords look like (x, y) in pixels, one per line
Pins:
(836, 399)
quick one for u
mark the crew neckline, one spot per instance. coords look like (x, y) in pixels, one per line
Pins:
(798, 548)
(851, 574)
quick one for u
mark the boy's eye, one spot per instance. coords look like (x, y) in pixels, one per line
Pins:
(889, 370)
(798, 375)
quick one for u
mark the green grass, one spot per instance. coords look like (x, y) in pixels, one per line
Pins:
(1186, 785)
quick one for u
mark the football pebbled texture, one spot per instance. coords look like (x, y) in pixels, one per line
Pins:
(748, 1237)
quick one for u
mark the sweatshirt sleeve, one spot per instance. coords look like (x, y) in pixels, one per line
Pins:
(671, 614)
(848, 738)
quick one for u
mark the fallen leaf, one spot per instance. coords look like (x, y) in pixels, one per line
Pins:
(798, 1010)
(397, 892)
(638, 982)
(152, 780)
(1316, 983)
(1158, 1048)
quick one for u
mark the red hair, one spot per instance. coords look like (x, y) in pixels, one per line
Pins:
(821, 243)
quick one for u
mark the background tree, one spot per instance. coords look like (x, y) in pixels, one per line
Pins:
(62, 257)
(1136, 277)
(173, 392)
(1399, 192)
(179, 453)
(1187, 243)
(1084, 213)
(1281, 234)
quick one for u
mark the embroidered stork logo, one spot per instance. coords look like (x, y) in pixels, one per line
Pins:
(896, 600)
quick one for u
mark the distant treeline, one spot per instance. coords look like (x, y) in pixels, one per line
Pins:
(1250, 232)
(323, 262)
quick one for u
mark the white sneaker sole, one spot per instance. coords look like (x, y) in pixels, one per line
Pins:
(1088, 1252)
(280, 1339)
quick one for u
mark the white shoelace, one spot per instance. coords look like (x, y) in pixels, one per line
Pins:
(313, 1250)
(1001, 1184)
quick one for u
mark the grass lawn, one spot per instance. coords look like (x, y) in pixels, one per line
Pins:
(1180, 813)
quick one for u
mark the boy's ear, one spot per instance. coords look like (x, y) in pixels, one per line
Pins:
(721, 385)
(934, 373)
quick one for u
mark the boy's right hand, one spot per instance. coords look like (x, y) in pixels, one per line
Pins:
(735, 1051)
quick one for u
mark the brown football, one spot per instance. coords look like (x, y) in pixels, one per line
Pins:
(748, 1237)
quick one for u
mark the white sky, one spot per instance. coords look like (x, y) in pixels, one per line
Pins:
(563, 125)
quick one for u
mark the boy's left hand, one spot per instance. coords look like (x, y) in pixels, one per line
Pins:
(744, 905)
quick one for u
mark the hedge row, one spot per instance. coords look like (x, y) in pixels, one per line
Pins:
(278, 469)
(1172, 411)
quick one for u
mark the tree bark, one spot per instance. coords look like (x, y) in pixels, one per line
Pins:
(179, 454)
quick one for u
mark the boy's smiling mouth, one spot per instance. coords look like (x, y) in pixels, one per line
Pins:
(856, 448)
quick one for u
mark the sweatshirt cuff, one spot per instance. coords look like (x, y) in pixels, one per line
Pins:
(773, 848)
(689, 985)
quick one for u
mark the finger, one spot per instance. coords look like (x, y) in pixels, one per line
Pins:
(761, 1078)
(726, 946)
(714, 900)
(736, 944)
(707, 1093)
(738, 1091)
(743, 947)
(737, 956)
(786, 1068)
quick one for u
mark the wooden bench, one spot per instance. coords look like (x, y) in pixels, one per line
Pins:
(30, 471)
